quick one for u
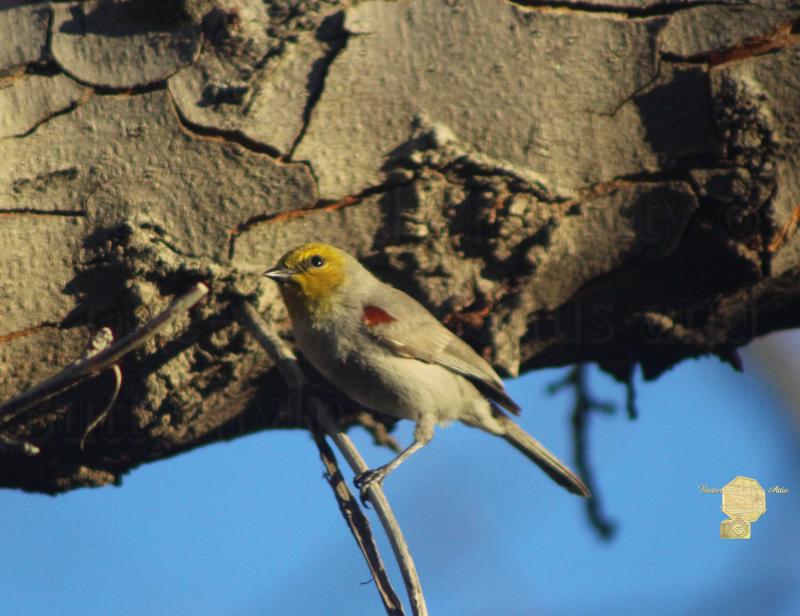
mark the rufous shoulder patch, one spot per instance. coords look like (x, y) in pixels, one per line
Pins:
(376, 316)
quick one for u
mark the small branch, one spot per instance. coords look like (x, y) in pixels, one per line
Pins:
(277, 349)
(630, 399)
(358, 523)
(73, 373)
(386, 515)
(104, 413)
(99, 342)
(583, 405)
(290, 369)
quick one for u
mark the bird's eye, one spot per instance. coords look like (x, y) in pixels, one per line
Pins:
(317, 261)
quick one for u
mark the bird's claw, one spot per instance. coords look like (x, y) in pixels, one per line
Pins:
(364, 481)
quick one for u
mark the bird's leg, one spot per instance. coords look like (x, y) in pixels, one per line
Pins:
(423, 433)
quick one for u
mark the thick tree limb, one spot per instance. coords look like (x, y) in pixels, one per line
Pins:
(582, 182)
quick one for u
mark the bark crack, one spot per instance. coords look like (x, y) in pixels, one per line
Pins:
(234, 136)
(27, 331)
(46, 66)
(784, 36)
(338, 43)
(638, 91)
(24, 211)
(320, 206)
(72, 107)
(628, 12)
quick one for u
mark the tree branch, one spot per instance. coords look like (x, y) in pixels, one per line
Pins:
(358, 524)
(93, 363)
(584, 404)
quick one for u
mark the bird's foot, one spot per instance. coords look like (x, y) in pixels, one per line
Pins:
(364, 481)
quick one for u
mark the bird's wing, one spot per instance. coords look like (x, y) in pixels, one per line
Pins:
(405, 327)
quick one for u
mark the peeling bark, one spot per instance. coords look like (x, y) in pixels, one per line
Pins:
(560, 182)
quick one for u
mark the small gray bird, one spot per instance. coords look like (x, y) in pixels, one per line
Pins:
(388, 353)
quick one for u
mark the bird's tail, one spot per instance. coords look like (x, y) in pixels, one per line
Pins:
(545, 459)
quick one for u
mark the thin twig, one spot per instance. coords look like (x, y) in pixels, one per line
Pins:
(73, 373)
(101, 340)
(104, 413)
(356, 520)
(630, 398)
(386, 515)
(276, 348)
(584, 404)
(287, 364)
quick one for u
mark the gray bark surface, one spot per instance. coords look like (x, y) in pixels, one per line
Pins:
(566, 181)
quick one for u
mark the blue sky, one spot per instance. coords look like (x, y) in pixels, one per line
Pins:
(250, 527)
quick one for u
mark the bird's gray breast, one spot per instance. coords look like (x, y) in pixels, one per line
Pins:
(353, 362)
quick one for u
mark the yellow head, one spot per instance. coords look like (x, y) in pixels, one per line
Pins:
(309, 275)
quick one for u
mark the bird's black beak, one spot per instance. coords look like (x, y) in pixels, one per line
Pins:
(279, 274)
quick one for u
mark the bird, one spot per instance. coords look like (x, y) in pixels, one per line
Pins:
(388, 353)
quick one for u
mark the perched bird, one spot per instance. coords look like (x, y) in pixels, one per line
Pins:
(388, 353)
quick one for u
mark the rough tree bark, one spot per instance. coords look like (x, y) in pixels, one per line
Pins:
(613, 181)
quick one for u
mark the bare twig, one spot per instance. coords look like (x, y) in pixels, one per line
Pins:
(101, 340)
(584, 404)
(287, 364)
(386, 515)
(104, 413)
(356, 520)
(73, 373)
(630, 398)
(276, 348)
